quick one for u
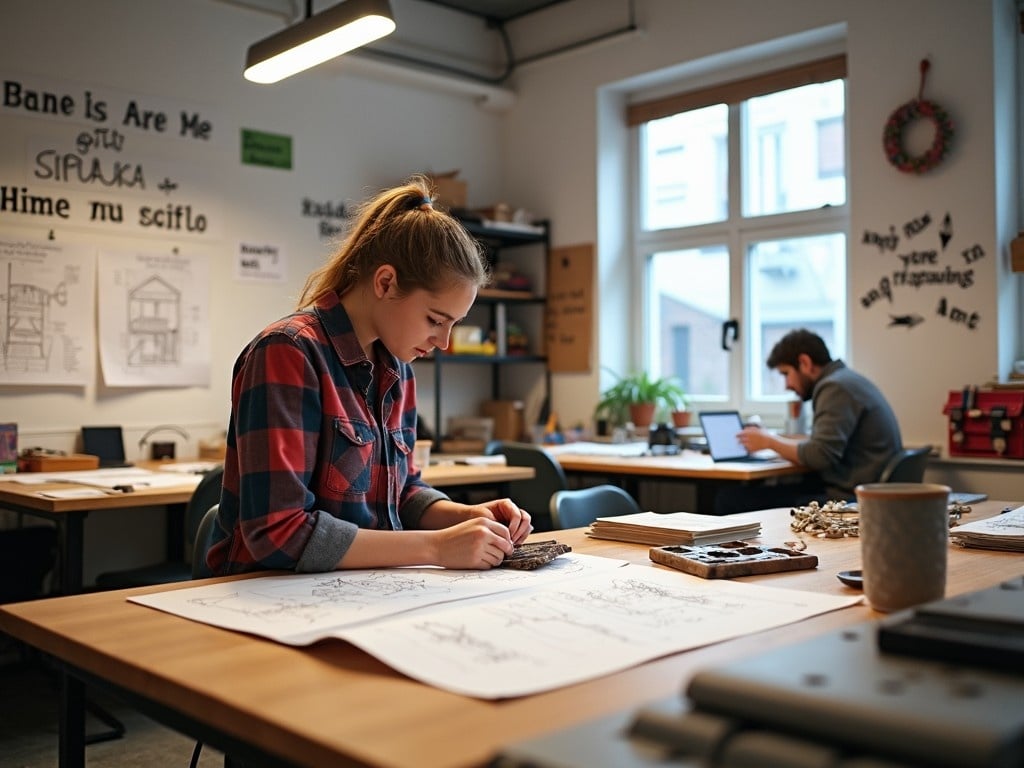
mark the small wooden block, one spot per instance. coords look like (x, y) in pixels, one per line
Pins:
(731, 558)
(526, 557)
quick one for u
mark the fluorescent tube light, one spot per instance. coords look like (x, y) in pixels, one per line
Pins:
(317, 39)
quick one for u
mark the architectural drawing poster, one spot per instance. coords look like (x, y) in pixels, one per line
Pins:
(47, 305)
(154, 328)
(494, 634)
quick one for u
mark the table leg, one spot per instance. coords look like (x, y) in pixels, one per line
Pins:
(175, 531)
(72, 722)
(72, 540)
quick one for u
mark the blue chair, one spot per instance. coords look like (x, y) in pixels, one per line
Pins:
(204, 540)
(574, 509)
(532, 495)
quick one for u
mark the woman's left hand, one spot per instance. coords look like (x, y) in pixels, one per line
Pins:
(517, 520)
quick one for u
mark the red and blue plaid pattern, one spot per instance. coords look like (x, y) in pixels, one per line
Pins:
(308, 437)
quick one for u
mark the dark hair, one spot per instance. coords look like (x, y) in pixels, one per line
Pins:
(796, 343)
(428, 248)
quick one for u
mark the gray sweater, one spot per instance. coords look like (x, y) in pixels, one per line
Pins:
(854, 433)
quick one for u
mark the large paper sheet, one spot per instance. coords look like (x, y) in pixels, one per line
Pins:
(500, 633)
(302, 608)
(528, 643)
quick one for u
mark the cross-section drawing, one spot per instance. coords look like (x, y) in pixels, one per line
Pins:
(26, 330)
(154, 323)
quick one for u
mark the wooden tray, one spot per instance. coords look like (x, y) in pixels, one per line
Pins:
(731, 558)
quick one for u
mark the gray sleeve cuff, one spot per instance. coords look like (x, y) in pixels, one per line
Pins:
(414, 507)
(330, 541)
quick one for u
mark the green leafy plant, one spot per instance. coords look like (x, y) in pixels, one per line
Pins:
(664, 393)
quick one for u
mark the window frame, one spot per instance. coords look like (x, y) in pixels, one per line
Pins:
(737, 234)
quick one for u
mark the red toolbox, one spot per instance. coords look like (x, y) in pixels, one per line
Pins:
(986, 422)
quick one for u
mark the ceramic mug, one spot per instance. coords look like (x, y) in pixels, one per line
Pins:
(421, 453)
(904, 543)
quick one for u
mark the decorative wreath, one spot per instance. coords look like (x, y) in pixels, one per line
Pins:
(919, 108)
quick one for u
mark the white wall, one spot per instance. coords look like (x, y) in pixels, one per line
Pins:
(352, 135)
(555, 143)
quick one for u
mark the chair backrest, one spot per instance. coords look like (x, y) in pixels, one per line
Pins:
(907, 466)
(573, 509)
(203, 542)
(532, 495)
(206, 494)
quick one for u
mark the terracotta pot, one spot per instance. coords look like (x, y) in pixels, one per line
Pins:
(681, 418)
(641, 414)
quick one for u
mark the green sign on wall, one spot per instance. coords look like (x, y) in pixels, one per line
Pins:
(269, 149)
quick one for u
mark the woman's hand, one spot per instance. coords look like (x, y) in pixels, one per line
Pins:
(517, 520)
(479, 543)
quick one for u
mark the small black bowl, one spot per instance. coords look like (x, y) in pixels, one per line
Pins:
(853, 579)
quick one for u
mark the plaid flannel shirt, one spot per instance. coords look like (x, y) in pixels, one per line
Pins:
(312, 453)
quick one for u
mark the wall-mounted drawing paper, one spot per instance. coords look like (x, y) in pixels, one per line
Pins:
(47, 306)
(154, 324)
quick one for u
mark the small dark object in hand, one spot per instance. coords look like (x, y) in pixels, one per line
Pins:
(526, 557)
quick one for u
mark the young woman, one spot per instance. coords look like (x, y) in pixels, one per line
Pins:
(319, 474)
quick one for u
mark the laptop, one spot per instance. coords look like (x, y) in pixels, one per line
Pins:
(720, 429)
(107, 443)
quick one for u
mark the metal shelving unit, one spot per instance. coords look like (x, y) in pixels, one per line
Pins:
(499, 302)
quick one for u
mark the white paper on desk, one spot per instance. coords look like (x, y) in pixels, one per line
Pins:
(614, 450)
(518, 644)
(189, 467)
(73, 493)
(299, 609)
(78, 476)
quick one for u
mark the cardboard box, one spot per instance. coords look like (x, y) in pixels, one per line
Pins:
(471, 428)
(449, 192)
(508, 416)
(57, 462)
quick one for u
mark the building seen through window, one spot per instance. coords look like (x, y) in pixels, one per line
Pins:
(772, 255)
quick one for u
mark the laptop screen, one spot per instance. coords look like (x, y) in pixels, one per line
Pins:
(720, 429)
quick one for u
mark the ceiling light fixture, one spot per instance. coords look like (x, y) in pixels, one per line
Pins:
(317, 39)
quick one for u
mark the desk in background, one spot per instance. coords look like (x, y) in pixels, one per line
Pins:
(280, 704)
(689, 466)
(70, 514)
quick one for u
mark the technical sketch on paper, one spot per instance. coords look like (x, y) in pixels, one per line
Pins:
(300, 609)
(154, 323)
(522, 643)
(153, 319)
(46, 310)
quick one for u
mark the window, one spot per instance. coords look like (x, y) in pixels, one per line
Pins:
(741, 216)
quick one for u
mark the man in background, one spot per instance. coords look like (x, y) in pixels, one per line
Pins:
(853, 436)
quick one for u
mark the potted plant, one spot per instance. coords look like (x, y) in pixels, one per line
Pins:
(679, 404)
(638, 397)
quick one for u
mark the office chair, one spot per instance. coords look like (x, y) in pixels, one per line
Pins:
(206, 494)
(203, 542)
(907, 466)
(532, 495)
(574, 509)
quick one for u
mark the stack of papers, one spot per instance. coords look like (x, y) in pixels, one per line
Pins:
(1005, 531)
(661, 530)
